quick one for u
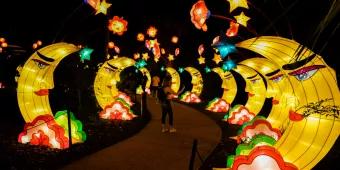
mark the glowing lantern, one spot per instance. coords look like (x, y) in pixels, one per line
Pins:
(177, 52)
(162, 51)
(233, 29)
(145, 56)
(201, 60)
(199, 14)
(218, 105)
(117, 49)
(217, 58)
(1, 50)
(35, 46)
(262, 157)
(102, 7)
(111, 45)
(85, 54)
(196, 80)
(242, 19)
(43, 130)
(136, 56)
(207, 69)
(258, 126)
(200, 49)
(39, 43)
(174, 39)
(152, 31)
(118, 110)
(77, 133)
(239, 115)
(118, 25)
(224, 46)
(140, 37)
(140, 64)
(171, 57)
(4, 45)
(189, 97)
(92, 3)
(2, 39)
(237, 3)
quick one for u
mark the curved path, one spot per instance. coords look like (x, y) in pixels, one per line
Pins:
(151, 149)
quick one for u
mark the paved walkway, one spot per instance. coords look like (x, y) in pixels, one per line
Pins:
(150, 149)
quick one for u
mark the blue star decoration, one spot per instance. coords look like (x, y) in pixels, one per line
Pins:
(224, 46)
(228, 65)
(180, 69)
(207, 69)
(140, 63)
(162, 68)
(85, 54)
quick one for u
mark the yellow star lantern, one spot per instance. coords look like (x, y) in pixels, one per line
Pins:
(237, 3)
(171, 57)
(217, 58)
(156, 59)
(201, 60)
(102, 7)
(145, 56)
(136, 56)
(242, 19)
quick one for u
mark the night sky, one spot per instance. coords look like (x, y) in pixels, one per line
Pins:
(24, 22)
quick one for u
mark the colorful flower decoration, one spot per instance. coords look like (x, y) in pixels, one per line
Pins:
(258, 140)
(239, 115)
(118, 110)
(44, 131)
(259, 126)
(77, 133)
(125, 97)
(118, 25)
(189, 97)
(262, 157)
(218, 105)
(152, 31)
(199, 14)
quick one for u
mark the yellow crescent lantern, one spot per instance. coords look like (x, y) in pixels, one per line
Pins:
(36, 79)
(196, 80)
(107, 78)
(175, 79)
(229, 85)
(278, 87)
(305, 141)
(254, 86)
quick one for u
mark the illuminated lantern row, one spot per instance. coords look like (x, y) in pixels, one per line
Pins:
(36, 79)
(77, 133)
(218, 105)
(305, 140)
(189, 97)
(44, 131)
(118, 25)
(239, 114)
(118, 110)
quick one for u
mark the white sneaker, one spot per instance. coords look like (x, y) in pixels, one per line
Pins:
(172, 130)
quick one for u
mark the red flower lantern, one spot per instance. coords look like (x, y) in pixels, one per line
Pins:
(199, 14)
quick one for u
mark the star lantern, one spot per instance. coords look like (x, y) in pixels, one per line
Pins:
(228, 65)
(242, 19)
(85, 54)
(111, 45)
(207, 69)
(136, 56)
(180, 69)
(152, 31)
(199, 14)
(140, 63)
(102, 7)
(217, 58)
(145, 56)
(118, 25)
(237, 3)
(162, 50)
(200, 49)
(201, 60)
(224, 46)
(171, 57)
